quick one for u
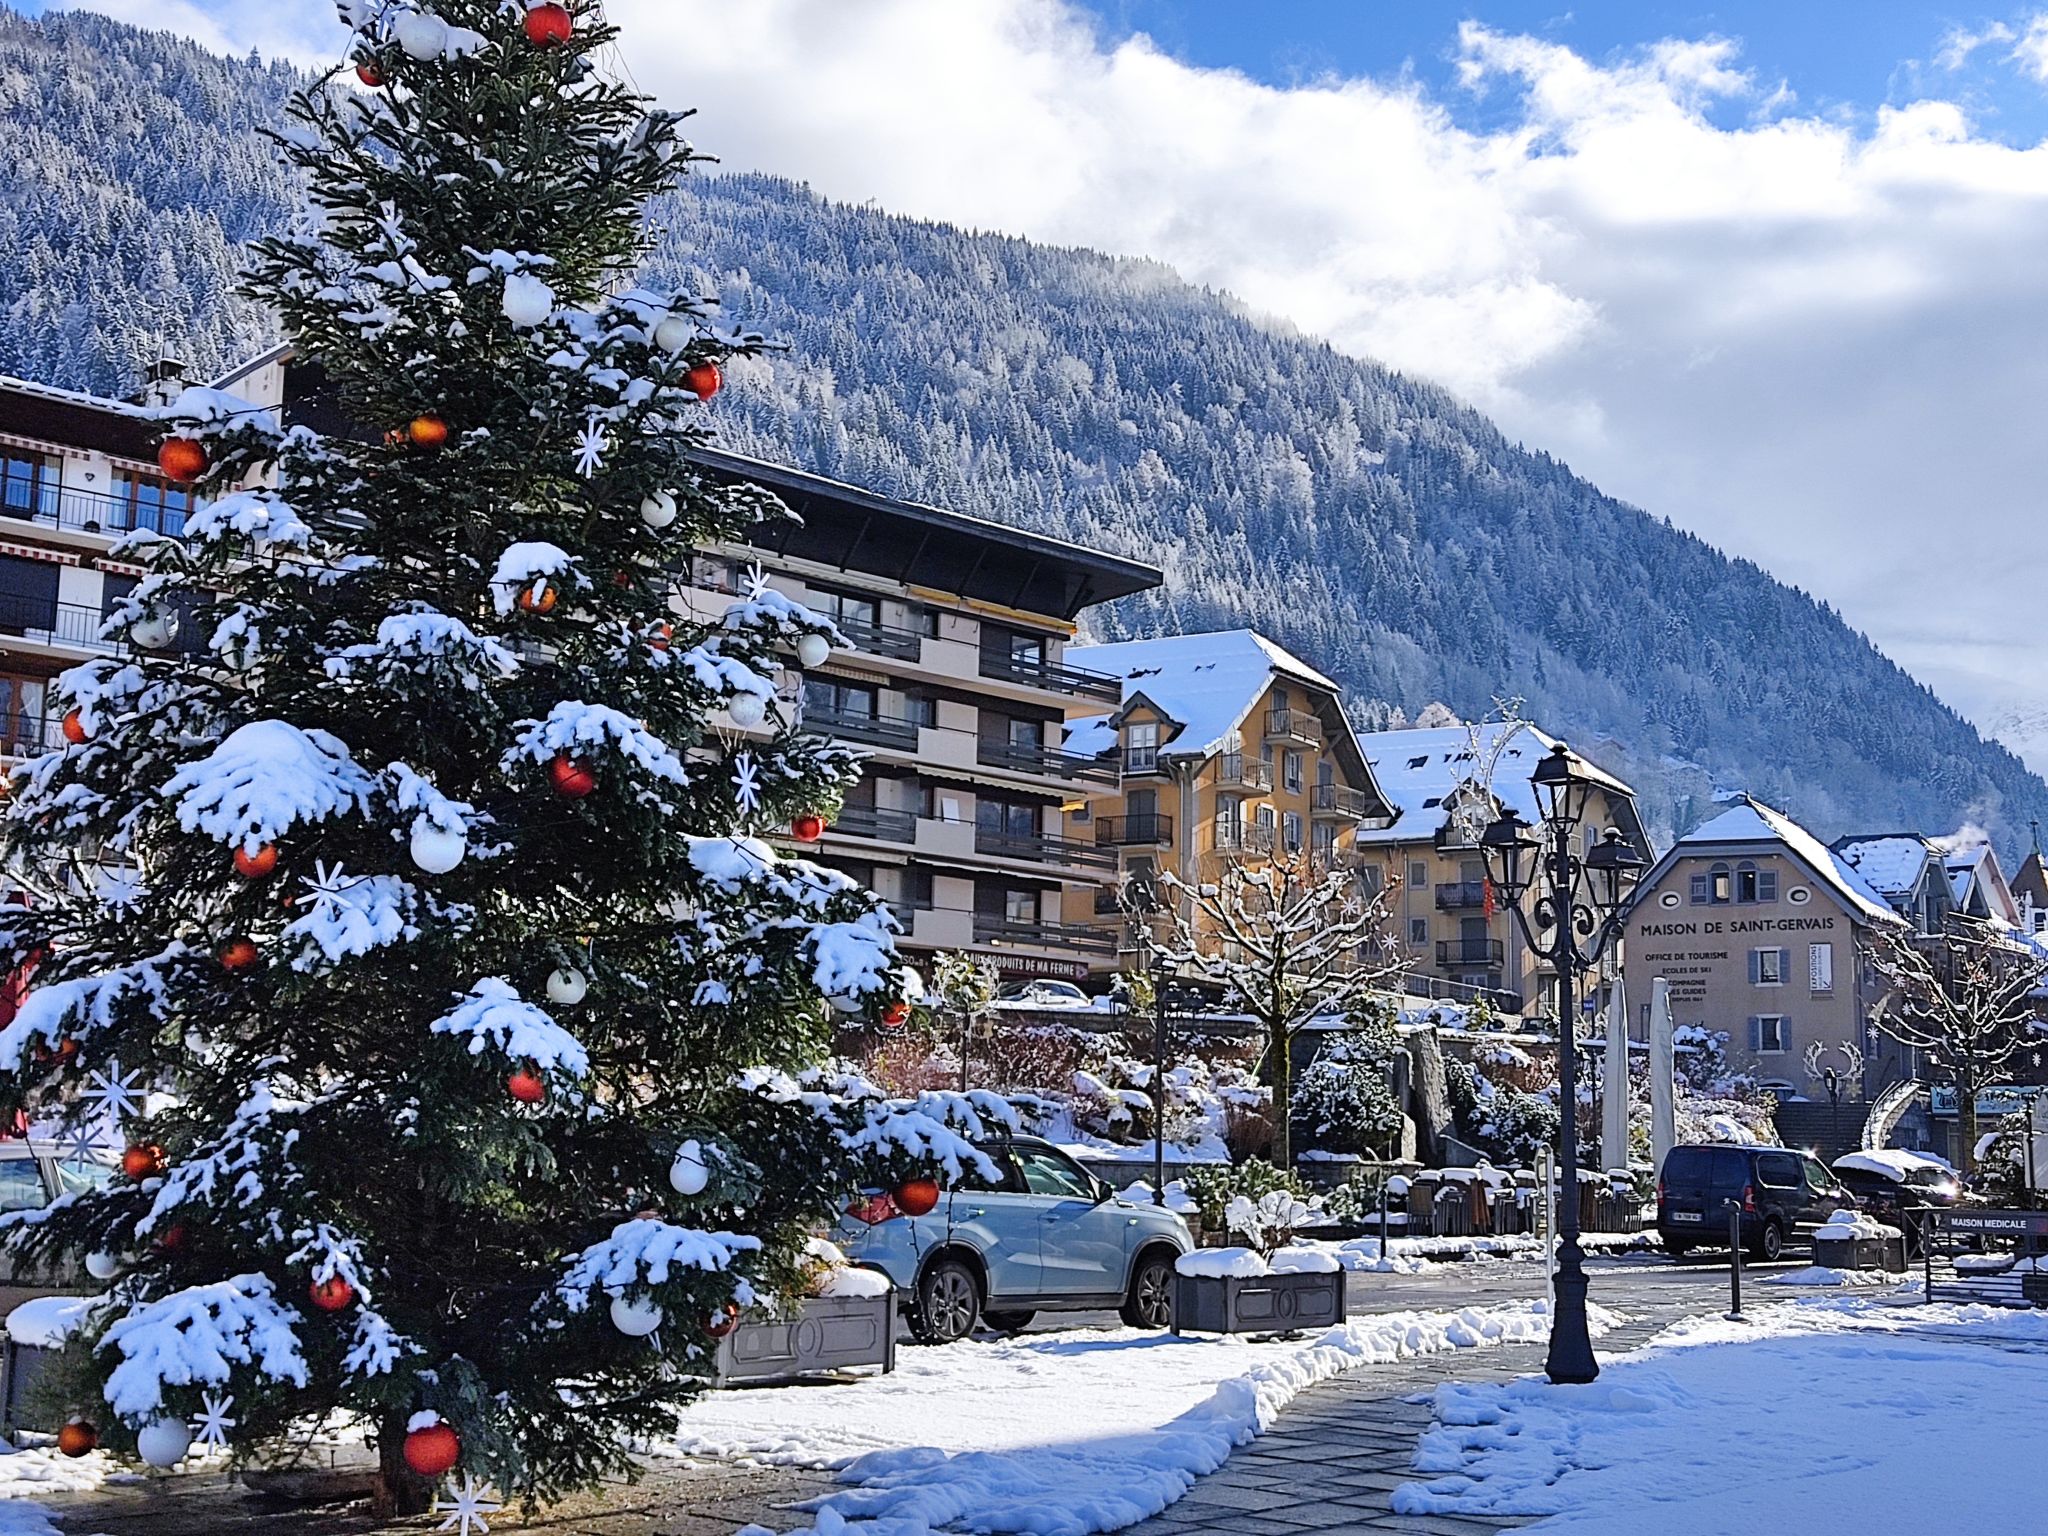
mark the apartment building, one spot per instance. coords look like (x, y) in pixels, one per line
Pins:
(1446, 783)
(1222, 747)
(77, 473)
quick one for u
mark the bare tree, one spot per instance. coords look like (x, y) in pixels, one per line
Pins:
(1287, 941)
(1968, 1001)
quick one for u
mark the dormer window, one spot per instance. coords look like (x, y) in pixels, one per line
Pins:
(1141, 746)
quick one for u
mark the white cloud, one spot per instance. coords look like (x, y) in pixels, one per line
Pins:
(1816, 340)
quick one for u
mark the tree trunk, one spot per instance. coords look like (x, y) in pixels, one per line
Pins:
(397, 1490)
(1280, 1052)
(1966, 1121)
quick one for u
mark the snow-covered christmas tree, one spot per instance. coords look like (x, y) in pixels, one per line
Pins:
(399, 904)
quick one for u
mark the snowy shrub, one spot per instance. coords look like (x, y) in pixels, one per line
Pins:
(1269, 1222)
(1509, 1124)
(1212, 1186)
(1344, 1101)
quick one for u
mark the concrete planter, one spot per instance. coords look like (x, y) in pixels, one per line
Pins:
(23, 1363)
(1276, 1303)
(830, 1333)
(1885, 1253)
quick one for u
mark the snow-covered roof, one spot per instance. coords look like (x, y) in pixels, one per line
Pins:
(1890, 865)
(1751, 821)
(1206, 683)
(1419, 770)
(74, 397)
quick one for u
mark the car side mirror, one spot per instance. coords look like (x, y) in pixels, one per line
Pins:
(1102, 1191)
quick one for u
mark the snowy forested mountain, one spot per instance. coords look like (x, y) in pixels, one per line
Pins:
(1365, 520)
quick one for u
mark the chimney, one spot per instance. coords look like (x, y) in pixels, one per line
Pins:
(166, 381)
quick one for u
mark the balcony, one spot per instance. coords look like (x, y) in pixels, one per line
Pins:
(1142, 760)
(1040, 848)
(1461, 895)
(993, 928)
(1147, 829)
(1243, 837)
(1236, 771)
(881, 823)
(80, 511)
(1293, 725)
(881, 639)
(1045, 762)
(1336, 800)
(27, 735)
(59, 623)
(1476, 952)
(898, 735)
(1034, 672)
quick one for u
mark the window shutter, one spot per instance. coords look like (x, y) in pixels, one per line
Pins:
(1755, 969)
(1756, 1033)
(1767, 885)
(1785, 967)
(1699, 890)
(1820, 966)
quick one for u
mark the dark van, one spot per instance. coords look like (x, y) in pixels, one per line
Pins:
(1783, 1194)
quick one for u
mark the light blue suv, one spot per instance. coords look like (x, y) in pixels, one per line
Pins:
(1047, 1236)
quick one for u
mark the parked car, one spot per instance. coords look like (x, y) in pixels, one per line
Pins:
(32, 1174)
(1891, 1182)
(1044, 1236)
(1045, 993)
(1783, 1194)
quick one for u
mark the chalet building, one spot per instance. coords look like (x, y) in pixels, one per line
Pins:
(1224, 747)
(2030, 889)
(1762, 932)
(1445, 784)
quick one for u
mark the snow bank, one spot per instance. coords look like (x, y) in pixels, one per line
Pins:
(1065, 1435)
(1847, 1224)
(1404, 1255)
(1821, 1274)
(47, 1321)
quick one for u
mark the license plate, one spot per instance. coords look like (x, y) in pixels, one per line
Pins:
(1687, 1216)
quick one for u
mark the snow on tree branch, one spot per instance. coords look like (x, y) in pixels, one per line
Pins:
(493, 1014)
(578, 728)
(199, 1336)
(264, 779)
(647, 1252)
(84, 1005)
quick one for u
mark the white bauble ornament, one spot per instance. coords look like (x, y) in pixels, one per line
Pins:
(747, 710)
(103, 1266)
(635, 1319)
(436, 851)
(812, 650)
(687, 1175)
(528, 300)
(675, 333)
(567, 986)
(163, 1442)
(658, 510)
(157, 628)
(845, 1003)
(421, 35)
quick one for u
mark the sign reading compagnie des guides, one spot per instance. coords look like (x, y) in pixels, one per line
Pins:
(2001, 1099)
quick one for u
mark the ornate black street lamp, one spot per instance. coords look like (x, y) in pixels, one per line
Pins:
(1576, 914)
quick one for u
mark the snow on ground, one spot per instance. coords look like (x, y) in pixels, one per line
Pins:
(1062, 1434)
(1828, 1416)
(1404, 1255)
(1821, 1274)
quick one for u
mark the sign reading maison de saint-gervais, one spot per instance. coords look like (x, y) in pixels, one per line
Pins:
(1815, 924)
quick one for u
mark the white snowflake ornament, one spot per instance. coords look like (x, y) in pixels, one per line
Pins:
(746, 780)
(116, 1092)
(591, 445)
(213, 1423)
(467, 1503)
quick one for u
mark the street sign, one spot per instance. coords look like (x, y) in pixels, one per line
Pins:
(1998, 1223)
(2000, 1099)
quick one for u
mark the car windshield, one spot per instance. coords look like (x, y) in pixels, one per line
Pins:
(75, 1178)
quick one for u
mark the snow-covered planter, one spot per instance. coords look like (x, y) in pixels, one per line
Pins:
(848, 1321)
(1851, 1240)
(36, 1330)
(1235, 1290)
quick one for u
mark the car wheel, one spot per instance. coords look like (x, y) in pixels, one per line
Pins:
(948, 1303)
(1007, 1322)
(1149, 1302)
(1770, 1243)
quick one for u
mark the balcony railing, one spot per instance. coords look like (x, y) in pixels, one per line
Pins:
(1141, 760)
(881, 639)
(1147, 829)
(1336, 800)
(1042, 848)
(1458, 895)
(81, 511)
(875, 730)
(1045, 762)
(1235, 769)
(1470, 952)
(882, 823)
(1079, 938)
(28, 735)
(57, 623)
(1243, 837)
(1035, 673)
(1293, 725)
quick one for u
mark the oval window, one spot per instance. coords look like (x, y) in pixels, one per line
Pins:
(1668, 899)
(1799, 895)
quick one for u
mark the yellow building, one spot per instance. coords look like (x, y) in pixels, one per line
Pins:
(1228, 748)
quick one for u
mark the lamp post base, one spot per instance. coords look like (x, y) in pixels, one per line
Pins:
(1570, 1361)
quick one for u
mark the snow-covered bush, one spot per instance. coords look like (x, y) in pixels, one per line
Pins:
(1269, 1222)
(1212, 1186)
(1344, 1101)
(1509, 1124)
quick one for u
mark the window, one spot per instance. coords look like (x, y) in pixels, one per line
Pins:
(1006, 820)
(1141, 746)
(1291, 831)
(152, 503)
(1326, 773)
(1418, 930)
(845, 700)
(21, 1185)
(1323, 842)
(1027, 733)
(1020, 906)
(21, 713)
(1048, 1173)
(28, 594)
(1768, 1035)
(1755, 885)
(1767, 967)
(1418, 874)
(1027, 651)
(1291, 770)
(1820, 967)
(1268, 817)
(920, 710)
(1279, 700)
(28, 483)
(1816, 1174)
(1720, 885)
(1780, 1170)
(851, 610)
(1006, 1180)
(916, 886)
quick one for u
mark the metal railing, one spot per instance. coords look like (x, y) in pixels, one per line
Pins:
(875, 730)
(991, 929)
(1243, 837)
(1141, 760)
(1051, 675)
(881, 639)
(1470, 951)
(1457, 895)
(1147, 827)
(81, 511)
(881, 823)
(1244, 772)
(1335, 799)
(1047, 762)
(53, 623)
(1042, 848)
(1293, 724)
(28, 735)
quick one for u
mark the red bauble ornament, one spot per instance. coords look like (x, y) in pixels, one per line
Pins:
(77, 1437)
(181, 459)
(705, 379)
(723, 1321)
(548, 26)
(572, 780)
(331, 1294)
(917, 1197)
(238, 954)
(897, 1013)
(432, 1450)
(74, 729)
(143, 1161)
(254, 866)
(369, 74)
(663, 633)
(173, 1237)
(807, 828)
(428, 431)
(525, 1086)
(541, 601)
